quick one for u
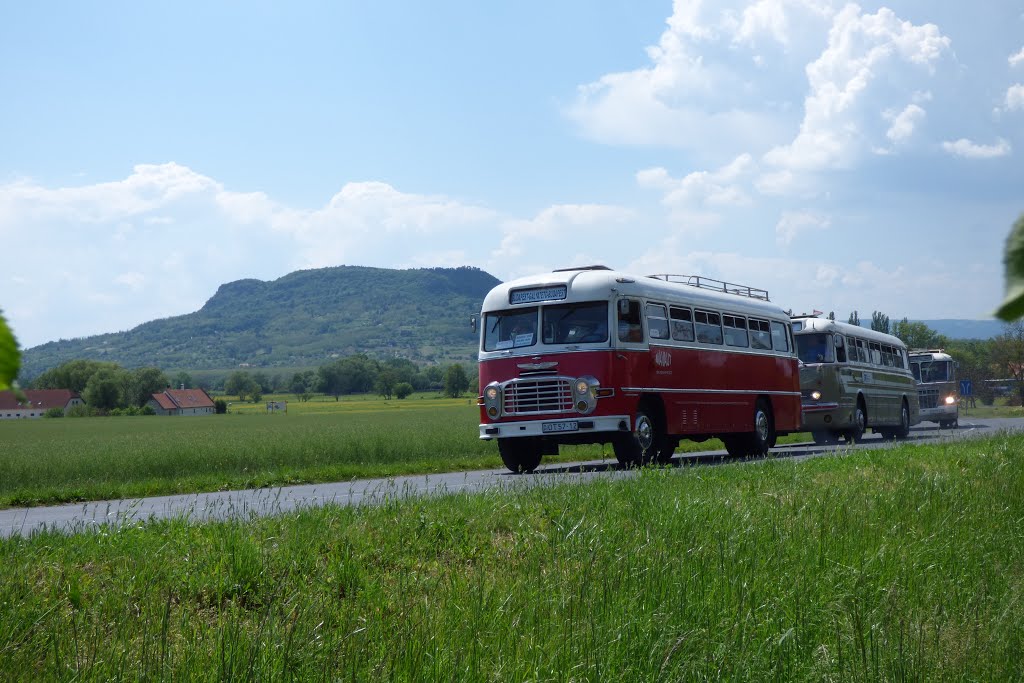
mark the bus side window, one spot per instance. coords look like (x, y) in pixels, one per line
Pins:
(657, 321)
(735, 330)
(630, 328)
(862, 352)
(900, 358)
(876, 353)
(682, 324)
(840, 349)
(760, 334)
(709, 327)
(780, 340)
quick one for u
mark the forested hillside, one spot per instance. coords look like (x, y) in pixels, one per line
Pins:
(302, 319)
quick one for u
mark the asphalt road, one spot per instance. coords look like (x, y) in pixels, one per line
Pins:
(85, 517)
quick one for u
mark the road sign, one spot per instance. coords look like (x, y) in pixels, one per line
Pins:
(965, 387)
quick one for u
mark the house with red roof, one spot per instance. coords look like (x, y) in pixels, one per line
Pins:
(36, 402)
(182, 402)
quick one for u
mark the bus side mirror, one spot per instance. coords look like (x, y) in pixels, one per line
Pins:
(472, 323)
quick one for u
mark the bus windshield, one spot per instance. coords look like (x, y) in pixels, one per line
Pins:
(581, 323)
(814, 348)
(510, 329)
(932, 371)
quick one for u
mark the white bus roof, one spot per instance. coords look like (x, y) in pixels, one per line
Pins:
(931, 354)
(598, 284)
(812, 324)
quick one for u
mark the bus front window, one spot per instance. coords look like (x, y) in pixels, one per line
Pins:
(510, 329)
(814, 348)
(583, 323)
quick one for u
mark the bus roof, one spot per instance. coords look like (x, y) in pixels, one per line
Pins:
(600, 284)
(929, 354)
(812, 324)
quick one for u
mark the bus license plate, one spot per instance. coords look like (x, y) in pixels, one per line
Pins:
(570, 426)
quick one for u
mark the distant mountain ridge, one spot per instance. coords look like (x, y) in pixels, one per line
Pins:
(302, 319)
(966, 329)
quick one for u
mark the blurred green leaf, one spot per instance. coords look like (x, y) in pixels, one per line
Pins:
(1012, 307)
(10, 357)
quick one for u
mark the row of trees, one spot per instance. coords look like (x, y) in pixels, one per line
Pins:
(107, 386)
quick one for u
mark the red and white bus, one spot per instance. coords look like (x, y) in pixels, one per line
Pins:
(591, 355)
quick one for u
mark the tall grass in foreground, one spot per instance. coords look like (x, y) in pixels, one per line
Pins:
(897, 564)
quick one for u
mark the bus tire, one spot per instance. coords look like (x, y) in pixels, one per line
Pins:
(521, 455)
(664, 455)
(641, 444)
(763, 436)
(903, 431)
(823, 437)
(855, 434)
(736, 445)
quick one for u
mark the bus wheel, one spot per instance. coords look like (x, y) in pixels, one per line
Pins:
(903, 431)
(520, 455)
(823, 438)
(860, 422)
(736, 445)
(639, 446)
(764, 429)
(664, 455)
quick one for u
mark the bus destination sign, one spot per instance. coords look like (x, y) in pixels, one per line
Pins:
(532, 296)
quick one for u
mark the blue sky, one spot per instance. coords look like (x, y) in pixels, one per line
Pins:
(842, 156)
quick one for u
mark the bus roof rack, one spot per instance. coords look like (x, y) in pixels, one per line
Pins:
(714, 285)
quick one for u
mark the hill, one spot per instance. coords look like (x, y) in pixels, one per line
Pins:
(967, 329)
(302, 319)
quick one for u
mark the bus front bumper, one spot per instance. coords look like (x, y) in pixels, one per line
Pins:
(822, 415)
(569, 427)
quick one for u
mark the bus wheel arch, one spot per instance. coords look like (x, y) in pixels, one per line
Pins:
(646, 440)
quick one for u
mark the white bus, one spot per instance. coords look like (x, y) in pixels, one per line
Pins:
(851, 379)
(935, 373)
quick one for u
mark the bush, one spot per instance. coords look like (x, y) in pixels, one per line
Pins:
(54, 412)
(147, 410)
(402, 390)
(81, 410)
(220, 406)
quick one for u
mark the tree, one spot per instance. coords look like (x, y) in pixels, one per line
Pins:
(386, 381)
(140, 385)
(10, 356)
(103, 390)
(1012, 307)
(1008, 354)
(917, 335)
(403, 390)
(241, 384)
(220, 406)
(455, 381)
(880, 322)
(854, 319)
(73, 375)
(182, 380)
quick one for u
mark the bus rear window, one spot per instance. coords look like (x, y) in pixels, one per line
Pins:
(814, 348)
(510, 329)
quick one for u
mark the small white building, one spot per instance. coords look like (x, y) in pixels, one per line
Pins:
(36, 403)
(182, 402)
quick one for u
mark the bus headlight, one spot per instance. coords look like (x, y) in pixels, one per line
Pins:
(950, 400)
(816, 395)
(492, 400)
(586, 394)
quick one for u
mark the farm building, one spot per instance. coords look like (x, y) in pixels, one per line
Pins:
(182, 402)
(37, 402)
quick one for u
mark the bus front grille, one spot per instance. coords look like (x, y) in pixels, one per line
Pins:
(536, 396)
(929, 398)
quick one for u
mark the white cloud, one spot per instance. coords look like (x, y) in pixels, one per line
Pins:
(792, 223)
(1017, 58)
(903, 124)
(554, 225)
(845, 85)
(969, 150)
(695, 200)
(1015, 97)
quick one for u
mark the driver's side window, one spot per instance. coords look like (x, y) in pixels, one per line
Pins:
(630, 328)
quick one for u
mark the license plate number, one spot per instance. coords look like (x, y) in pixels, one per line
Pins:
(549, 427)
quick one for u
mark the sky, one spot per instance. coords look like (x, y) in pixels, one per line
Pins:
(842, 156)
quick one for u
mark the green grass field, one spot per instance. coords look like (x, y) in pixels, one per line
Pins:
(904, 563)
(77, 459)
